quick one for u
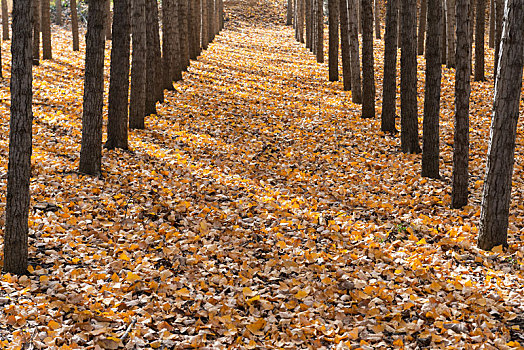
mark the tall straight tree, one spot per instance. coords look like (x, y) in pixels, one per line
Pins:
(377, 19)
(444, 36)
(168, 44)
(459, 195)
(36, 32)
(422, 26)
(430, 135)
(205, 33)
(356, 85)
(289, 17)
(190, 25)
(333, 40)
(210, 19)
(137, 101)
(307, 10)
(151, 67)
(499, 17)
(408, 79)
(197, 24)
(479, 40)
(91, 146)
(107, 19)
(20, 142)
(159, 85)
(496, 197)
(491, 42)
(46, 30)
(58, 5)
(5, 20)
(450, 35)
(183, 33)
(299, 23)
(117, 111)
(344, 44)
(74, 25)
(368, 62)
(389, 89)
(320, 31)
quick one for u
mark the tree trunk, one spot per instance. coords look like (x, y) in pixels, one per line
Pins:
(177, 54)
(422, 26)
(151, 75)
(36, 32)
(356, 84)
(5, 20)
(408, 79)
(389, 90)
(479, 40)
(368, 62)
(499, 16)
(58, 5)
(91, 147)
(320, 32)
(450, 7)
(299, 25)
(493, 228)
(314, 25)
(344, 44)
(430, 145)
(183, 34)
(46, 30)
(137, 102)
(107, 21)
(210, 17)
(333, 40)
(491, 42)
(444, 37)
(459, 195)
(205, 34)
(289, 17)
(309, 35)
(74, 25)
(197, 28)
(155, 46)
(117, 115)
(377, 19)
(168, 44)
(190, 32)
(20, 142)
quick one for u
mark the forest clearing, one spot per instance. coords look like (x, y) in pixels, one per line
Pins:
(257, 209)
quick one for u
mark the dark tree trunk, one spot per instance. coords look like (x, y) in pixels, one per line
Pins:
(356, 84)
(314, 25)
(190, 32)
(444, 36)
(20, 142)
(408, 79)
(450, 20)
(368, 62)
(309, 28)
(333, 40)
(36, 32)
(459, 195)
(197, 28)
(289, 17)
(177, 54)
(496, 198)
(74, 25)
(159, 85)
(377, 19)
(491, 42)
(117, 136)
(58, 4)
(46, 30)
(183, 34)
(137, 102)
(299, 25)
(389, 97)
(479, 40)
(422, 26)
(210, 19)
(151, 76)
(5, 20)
(205, 34)
(320, 32)
(430, 145)
(168, 44)
(91, 148)
(499, 16)
(344, 44)
(107, 20)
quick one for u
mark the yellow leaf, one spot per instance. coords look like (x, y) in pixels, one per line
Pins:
(184, 292)
(53, 325)
(422, 241)
(398, 342)
(124, 257)
(132, 277)
(204, 228)
(497, 249)
(301, 294)
(252, 300)
(248, 292)
(256, 327)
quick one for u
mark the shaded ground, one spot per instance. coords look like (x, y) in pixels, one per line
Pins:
(257, 210)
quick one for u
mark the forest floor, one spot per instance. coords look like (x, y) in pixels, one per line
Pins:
(256, 210)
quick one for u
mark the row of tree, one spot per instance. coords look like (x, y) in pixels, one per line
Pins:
(188, 26)
(448, 41)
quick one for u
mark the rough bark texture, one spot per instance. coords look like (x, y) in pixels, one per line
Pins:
(20, 142)
(299, 25)
(151, 76)
(119, 77)
(320, 32)
(159, 88)
(389, 97)
(36, 32)
(344, 44)
(368, 62)
(5, 20)
(333, 40)
(74, 25)
(309, 36)
(177, 57)
(430, 145)
(459, 195)
(450, 35)
(210, 19)
(444, 37)
(137, 101)
(356, 85)
(479, 40)
(377, 19)
(491, 42)
(46, 30)
(205, 33)
(190, 32)
(289, 17)
(197, 28)
(422, 26)
(408, 79)
(499, 15)
(91, 148)
(314, 25)
(107, 20)
(58, 4)
(493, 228)
(183, 34)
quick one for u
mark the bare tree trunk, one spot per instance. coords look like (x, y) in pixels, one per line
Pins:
(491, 42)
(74, 25)
(422, 26)
(499, 16)
(408, 79)
(205, 19)
(459, 195)
(210, 16)
(444, 36)
(314, 25)
(168, 44)
(117, 120)
(36, 32)
(107, 21)
(430, 144)
(5, 20)
(137, 102)
(377, 19)
(46, 30)
(300, 20)
(389, 97)
(289, 18)
(479, 41)
(159, 68)
(183, 34)
(91, 148)
(309, 35)
(450, 7)
(58, 5)
(20, 142)
(197, 28)
(368, 61)
(496, 198)
(151, 74)
(356, 84)
(320, 32)
(333, 40)
(344, 44)
(190, 32)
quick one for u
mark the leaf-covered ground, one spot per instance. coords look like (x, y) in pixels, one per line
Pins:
(257, 210)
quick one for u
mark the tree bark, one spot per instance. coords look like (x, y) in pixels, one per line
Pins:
(205, 34)
(5, 20)
(333, 40)
(151, 75)
(309, 28)
(389, 90)
(117, 120)
(137, 102)
(46, 30)
(459, 195)
(444, 37)
(499, 16)
(430, 145)
(356, 84)
(289, 17)
(408, 79)
(91, 147)
(491, 42)
(197, 28)
(183, 34)
(377, 19)
(107, 20)
(58, 5)
(479, 40)
(210, 19)
(368, 62)
(299, 25)
(168, 44)
(20, 142)
(36, 32)
(450, 10)
(190, 32)
(344, 44)
(74, 25)
(155, 46)
(422, 26)
(320, 32)
(493, 228)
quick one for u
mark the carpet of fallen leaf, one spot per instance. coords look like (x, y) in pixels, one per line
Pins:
(257, 210)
